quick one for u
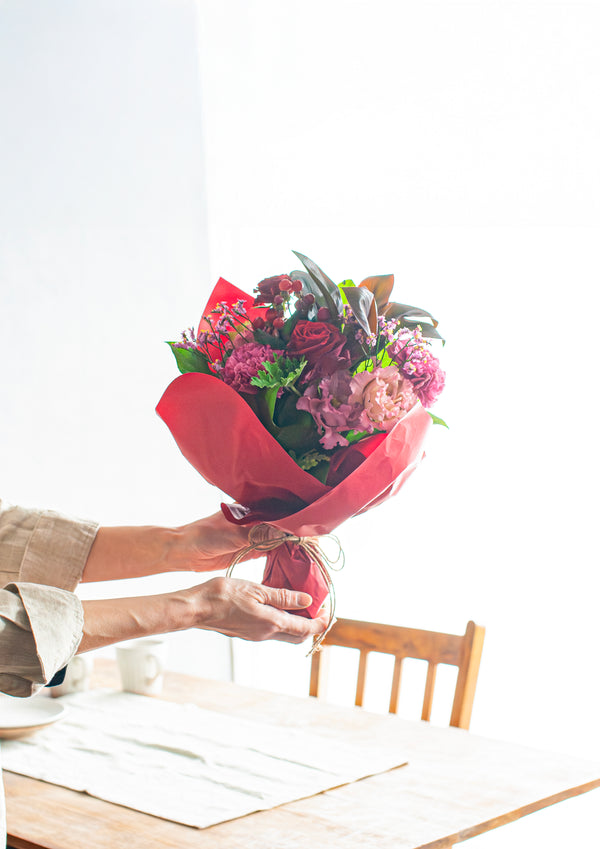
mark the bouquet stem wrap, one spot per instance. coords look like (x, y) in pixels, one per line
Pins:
(293, 560)
(222, 438)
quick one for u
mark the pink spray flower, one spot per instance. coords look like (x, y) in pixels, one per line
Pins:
(412, 354)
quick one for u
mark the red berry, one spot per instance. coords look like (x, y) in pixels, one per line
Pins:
(258, 323)
(278, 322)
(271, 314)
(296, 285)
(323, 314)
(285, 285)
(309, 299)
(278, 300)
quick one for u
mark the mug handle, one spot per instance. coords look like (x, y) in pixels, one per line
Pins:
(154, 668)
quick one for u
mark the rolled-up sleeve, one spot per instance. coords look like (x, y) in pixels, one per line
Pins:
(42, 557)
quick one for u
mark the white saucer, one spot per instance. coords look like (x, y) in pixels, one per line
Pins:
(19, 717)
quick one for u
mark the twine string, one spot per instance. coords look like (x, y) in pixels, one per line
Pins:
(261, 539)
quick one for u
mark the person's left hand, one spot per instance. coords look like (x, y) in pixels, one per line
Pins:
(213, 542)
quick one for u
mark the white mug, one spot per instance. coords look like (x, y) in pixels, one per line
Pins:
(141, 664)
(77, 677)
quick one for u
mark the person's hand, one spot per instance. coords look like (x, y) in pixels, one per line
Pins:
(239, 608)
(213, 542)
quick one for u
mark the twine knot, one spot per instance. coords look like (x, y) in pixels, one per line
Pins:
(265, 538)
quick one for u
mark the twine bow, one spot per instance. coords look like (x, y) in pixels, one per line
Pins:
(261, 539)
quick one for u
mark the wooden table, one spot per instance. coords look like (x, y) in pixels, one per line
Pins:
(456, 785)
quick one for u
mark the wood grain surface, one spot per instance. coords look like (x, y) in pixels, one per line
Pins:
(455, 786)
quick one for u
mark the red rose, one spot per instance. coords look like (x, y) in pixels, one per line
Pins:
(314, 340)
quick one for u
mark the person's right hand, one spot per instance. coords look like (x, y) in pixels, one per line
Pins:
(239, 608)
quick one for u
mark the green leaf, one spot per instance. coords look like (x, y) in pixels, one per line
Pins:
(267, 339)
(279, 374)
(189, 360)
(263, 404)
(356, 435)
(300, 436)
(437, 420)
(291, 322)
(310, 459)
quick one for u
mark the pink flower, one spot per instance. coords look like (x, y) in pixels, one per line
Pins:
(384, 395)
(412, 353)
(243, 364)
(327, 402)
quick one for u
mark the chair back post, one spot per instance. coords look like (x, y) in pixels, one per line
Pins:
(431, 646)
(468, 670)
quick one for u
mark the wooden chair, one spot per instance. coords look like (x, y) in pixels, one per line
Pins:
(463, 652)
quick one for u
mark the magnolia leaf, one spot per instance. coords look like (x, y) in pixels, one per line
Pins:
(329, 290)
(189, 360)
(361, 302)
(437, 420)
(394, 310)
(427, 330)
(309, 287)
(381, 286)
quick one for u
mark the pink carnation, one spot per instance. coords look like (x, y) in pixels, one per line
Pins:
(384, 395)
(327, 402)
(412, 353)
(243, 364)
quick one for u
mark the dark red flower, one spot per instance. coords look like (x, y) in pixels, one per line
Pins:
(314, 340)
(268, 289)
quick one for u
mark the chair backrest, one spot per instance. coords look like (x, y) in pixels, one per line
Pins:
(432, 646)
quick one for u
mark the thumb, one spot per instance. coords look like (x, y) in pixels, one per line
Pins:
(287, 599)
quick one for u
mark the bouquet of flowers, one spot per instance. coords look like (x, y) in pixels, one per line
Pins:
(307, 403)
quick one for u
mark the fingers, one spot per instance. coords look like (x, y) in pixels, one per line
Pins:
(285, 599)
(296, 629)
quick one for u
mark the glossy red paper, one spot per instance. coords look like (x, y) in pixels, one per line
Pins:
(222, 438)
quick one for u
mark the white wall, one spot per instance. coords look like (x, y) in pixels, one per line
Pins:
(453, 144)
(103, 257)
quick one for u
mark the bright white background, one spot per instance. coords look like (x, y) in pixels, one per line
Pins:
(149, 147)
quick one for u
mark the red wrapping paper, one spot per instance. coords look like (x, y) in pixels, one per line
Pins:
(222, 438)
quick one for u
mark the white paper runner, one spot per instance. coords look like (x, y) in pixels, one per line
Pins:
(184, 763)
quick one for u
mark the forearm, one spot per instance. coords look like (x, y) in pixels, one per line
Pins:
(231, 606)
(108, 621)
(132, 552)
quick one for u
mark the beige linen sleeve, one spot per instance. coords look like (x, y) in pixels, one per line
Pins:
(42, 556)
